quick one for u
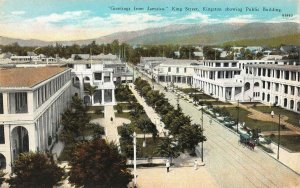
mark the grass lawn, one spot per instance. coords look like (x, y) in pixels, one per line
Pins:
(149, 150)
(125, 106)
(137, 130)
(187, 90)
(204, 96)
(291, 142)
(95, 116)
(123, 115)
(293, 116)
(251, 123)
(95, 108)
(219, 103)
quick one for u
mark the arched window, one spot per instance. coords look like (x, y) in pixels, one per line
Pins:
(256, 84)
(2, 161)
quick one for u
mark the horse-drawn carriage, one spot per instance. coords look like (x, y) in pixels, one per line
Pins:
(246, 140)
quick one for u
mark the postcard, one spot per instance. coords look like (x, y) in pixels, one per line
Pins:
(150, 93)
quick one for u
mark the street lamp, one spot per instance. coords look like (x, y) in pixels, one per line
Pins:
(278, 138)
(238, 116)
(202, 134)
(134, 158)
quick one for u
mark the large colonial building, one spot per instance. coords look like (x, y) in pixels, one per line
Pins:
(31, 102)
(121, 73)
(271, 82)
(175, 71)
(93, 73)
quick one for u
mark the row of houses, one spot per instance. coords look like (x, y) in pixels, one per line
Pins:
(33, 97)
(273, 82)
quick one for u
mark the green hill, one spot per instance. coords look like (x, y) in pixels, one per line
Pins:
(293, 39)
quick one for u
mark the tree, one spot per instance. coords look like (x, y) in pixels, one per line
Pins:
(74, 121)
(36, 170)
(2, 177)
(189, 136)
(146, 125)
(91, 90)
(167, 147)
(98, 164)
(119, 108)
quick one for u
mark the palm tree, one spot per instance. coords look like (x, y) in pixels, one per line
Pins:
(91, 90)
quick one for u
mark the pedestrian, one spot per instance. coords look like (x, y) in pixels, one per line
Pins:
(272, 114)
(111, 119)
(195, 164)
(168, 165)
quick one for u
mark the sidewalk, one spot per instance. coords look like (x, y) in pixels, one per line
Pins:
(111, 131)
(154, 117)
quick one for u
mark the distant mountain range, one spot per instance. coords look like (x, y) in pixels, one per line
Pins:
(205, 34)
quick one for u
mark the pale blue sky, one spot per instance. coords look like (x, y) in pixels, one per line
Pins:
(82, 19)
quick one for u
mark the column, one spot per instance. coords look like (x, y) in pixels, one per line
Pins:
(243, 91)
(113, 96)
(81, 86)
(102, 96)
(111, 77)
(232, 93)
(224, 96)
(216, 75)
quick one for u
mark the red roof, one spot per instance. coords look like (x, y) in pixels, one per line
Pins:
(27, 77)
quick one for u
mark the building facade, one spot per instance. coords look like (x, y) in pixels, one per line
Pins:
(93, 73)
(279, 84)
(121, 73)
(175, 71)
(268, 81)
(31, 102)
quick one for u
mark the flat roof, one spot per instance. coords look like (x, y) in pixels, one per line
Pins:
(27, 77)
(277, 67)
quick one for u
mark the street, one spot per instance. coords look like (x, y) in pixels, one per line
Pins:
(232, 165)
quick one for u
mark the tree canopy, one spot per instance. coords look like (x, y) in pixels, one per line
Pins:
(36, 170)
(98, 164)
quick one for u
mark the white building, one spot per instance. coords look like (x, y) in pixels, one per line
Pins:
(31, 58)
(175, 71)
(121, 73)
(271, 82)
(147, 64)
(31, 102)
(93, 73)
(279, 84)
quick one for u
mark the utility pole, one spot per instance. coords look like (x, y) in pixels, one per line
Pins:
(202, 134)
(134, 158)
(238, 117)
(177, 99)
(278, 138)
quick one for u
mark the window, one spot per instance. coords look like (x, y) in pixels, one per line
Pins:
(18, 103)
(1, 103)
(98, 76)
(184, 70)
(169, 69)
(292, 90)
(2, 138)
(218, 64)
(88, 66)
(226, 64)
(233, 64)
(285, 89)
(177, 70)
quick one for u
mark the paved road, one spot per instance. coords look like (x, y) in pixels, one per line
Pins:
(232, 165)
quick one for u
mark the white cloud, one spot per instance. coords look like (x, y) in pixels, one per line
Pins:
(202, 18)
(18, 13)
(65, 16)
(241, 19)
